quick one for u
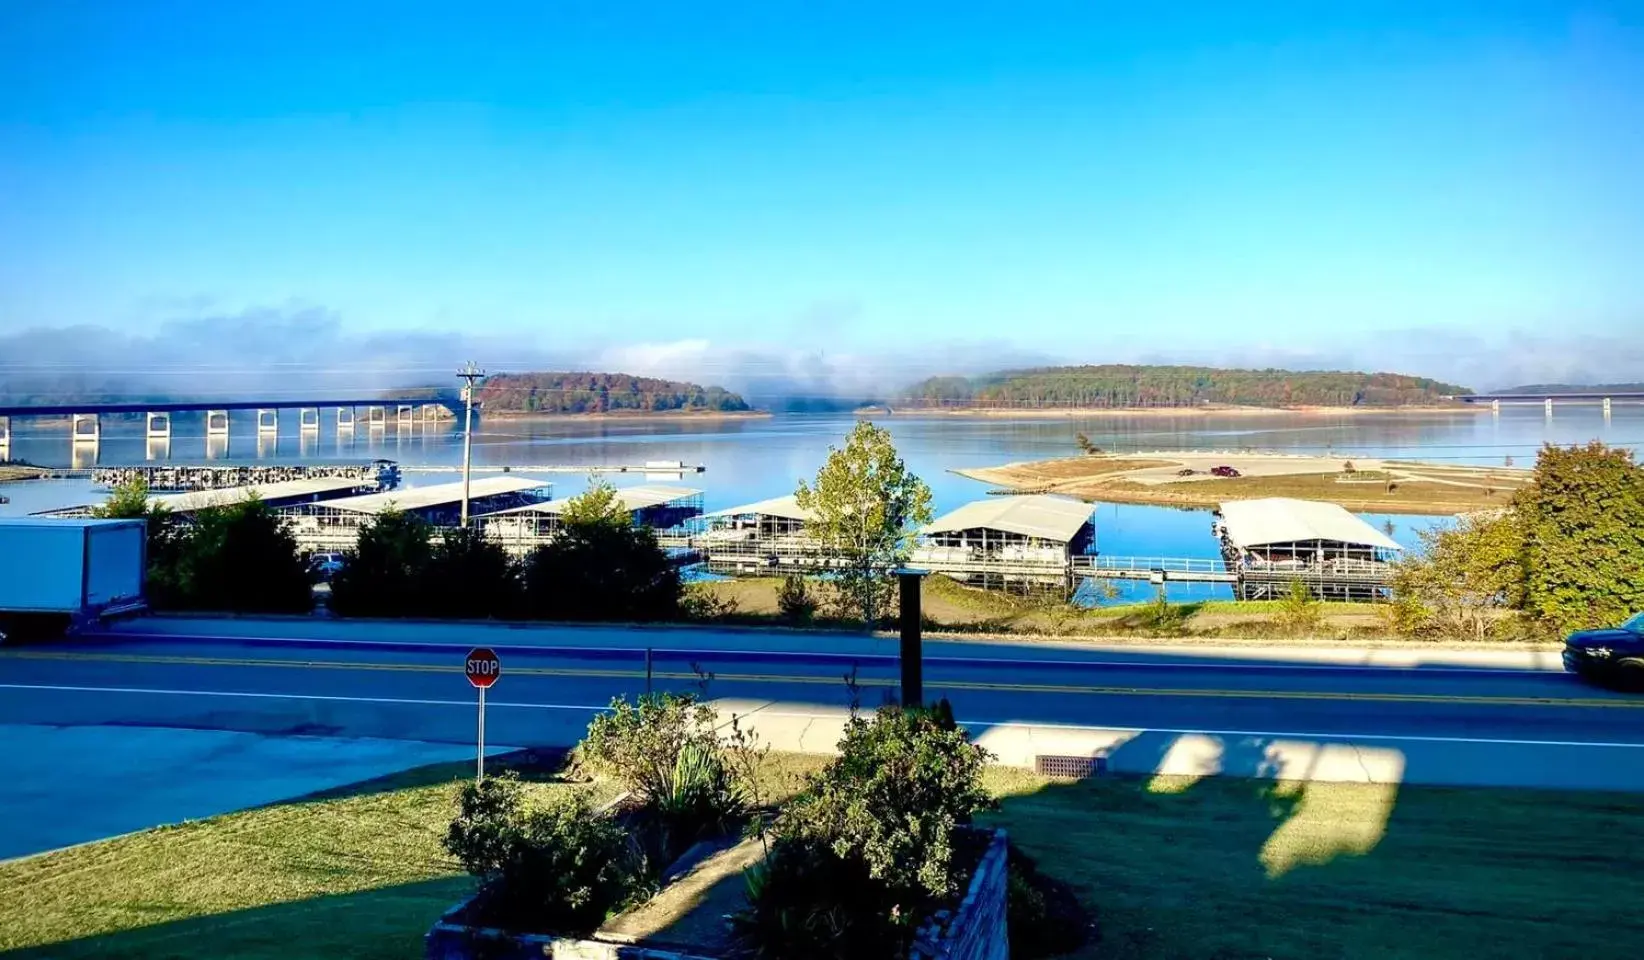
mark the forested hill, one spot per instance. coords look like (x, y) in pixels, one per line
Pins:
(601, 393)
(1119, 385)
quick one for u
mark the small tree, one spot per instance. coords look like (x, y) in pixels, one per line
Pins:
(130, 501)
(470, 575)
(1085, 446)
(795, 600)
(1583, 525)
(1461, 576)
(601, 566)
(1348, 468)
(866, 506)
(243, 558)
(386, 573)
(598, 506)
(1299, 611)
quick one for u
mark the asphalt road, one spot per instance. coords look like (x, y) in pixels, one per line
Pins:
(405, 681)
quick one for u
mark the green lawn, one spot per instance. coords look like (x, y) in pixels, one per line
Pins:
(1239, 868)
(1173, 867)
(357, 873)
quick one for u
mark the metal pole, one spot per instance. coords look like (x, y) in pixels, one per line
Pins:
(469, 374)
(913, 673)
(479, 759)
(647, 669)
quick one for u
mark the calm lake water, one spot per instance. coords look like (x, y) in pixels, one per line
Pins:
(753, 459)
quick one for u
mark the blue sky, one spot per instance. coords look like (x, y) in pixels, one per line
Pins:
(1433, 186)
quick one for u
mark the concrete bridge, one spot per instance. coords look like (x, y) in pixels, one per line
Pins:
(1605, 398)
(85, 421)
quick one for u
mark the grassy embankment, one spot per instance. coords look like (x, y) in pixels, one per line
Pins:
(951, 607)
(1376, 487)
(1171, 867)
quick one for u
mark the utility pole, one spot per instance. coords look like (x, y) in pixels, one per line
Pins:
(469, 374)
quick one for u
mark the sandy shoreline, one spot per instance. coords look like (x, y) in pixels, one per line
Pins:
(1375, 486)
(636, 416)
(1040, 413)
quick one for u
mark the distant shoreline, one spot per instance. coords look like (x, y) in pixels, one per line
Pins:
(636, 415)
(1042, 413)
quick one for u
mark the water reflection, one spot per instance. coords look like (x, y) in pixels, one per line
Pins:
(157, 448)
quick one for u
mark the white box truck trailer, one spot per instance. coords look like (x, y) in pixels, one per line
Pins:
(55, 573)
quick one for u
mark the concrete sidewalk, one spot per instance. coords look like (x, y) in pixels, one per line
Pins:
(1201, 753)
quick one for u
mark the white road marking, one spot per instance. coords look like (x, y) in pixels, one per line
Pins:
(468, 704)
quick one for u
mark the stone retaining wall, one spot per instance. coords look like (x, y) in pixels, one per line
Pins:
(978, 930)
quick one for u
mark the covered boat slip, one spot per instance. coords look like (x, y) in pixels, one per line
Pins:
(1270, 543)
(335, 524)
(280, 494)
(661, 507)
(1032, 537)
(754, 537)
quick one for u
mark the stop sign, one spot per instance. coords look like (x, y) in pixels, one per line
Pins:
(483, 667)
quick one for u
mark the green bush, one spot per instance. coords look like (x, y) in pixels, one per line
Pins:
(470, 576)
(1299, 611)
(795, 600)
(557, 867)
(385, 574)
(873, 844)
(664, 750)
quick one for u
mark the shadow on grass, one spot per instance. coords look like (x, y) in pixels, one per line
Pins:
(1250, 866)
(533, 765)
(382, 924)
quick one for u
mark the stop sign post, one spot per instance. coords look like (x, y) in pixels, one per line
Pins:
(483, 669)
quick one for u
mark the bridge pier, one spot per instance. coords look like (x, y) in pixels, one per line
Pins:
(405, 416)
(376, 417)
(1549, 407)
(345, 419)
(1495, 408)
(159, 425)
(5, 431)
(157, 448)
(268, 421)
(1606, 408)
(216, 423)
(308, 420)
(86, 427)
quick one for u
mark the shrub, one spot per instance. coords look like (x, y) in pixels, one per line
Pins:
(601, 571)
(699, 601)
(469, 576)
(795, 600)
(240, 557)
(871, 847)
(1298, 611)
(557, 867)
(385, 574)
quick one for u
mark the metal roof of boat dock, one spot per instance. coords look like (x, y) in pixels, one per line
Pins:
(1256, 523)
(270, 492)
(787, 507)
(435, 495)
(632, 498)
(1031, 515)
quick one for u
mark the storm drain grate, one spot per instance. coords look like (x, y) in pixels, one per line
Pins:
(1069, 768)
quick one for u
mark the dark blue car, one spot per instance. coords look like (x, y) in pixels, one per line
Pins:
(1612, 656)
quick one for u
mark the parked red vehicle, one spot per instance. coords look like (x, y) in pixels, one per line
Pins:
(1223, 471)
